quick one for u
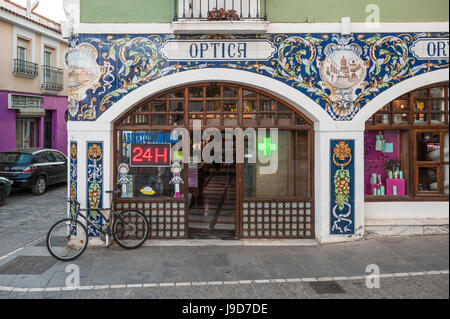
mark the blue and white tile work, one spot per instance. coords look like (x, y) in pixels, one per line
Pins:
(342, 173)
(94, 185)
(73, 178)
(340, 73)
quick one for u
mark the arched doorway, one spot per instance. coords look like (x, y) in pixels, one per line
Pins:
(217, 200)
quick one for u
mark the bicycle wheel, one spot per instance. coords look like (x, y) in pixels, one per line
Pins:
(67, 240)
(130, 229)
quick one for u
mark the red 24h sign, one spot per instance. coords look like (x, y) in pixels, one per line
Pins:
(150, 155)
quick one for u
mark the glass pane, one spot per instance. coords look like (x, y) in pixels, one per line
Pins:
(268, 185)
(428, 179)
(159, 119)
(446, 147)
(370, 121)
(159, 106)
(268, 106)
(196, 92)
(177, 106)
(401, 118)
(283, 108)
(385, 108)
(249, 94)
(213, 106)
(230, 106)
(437, 105)
(213, 91)
(230, 120)
(249, 106)
(446, 179)
(428, 147)
(400, 106)
(230, 92)
(126, 121)
(267, 119)
(438, 92)
(250, 119)
(144, 108)
(383, 119)
(299, 120)
(437, 118)
(195, 106)
(176, 119)
(421, 94)
(213, 119)
(420, 106)
(177, 94)
(141, 119)
(420, 118)
(284, 119)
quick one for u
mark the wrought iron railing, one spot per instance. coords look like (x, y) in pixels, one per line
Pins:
(52, 78)
(220, 10)
(25, 68)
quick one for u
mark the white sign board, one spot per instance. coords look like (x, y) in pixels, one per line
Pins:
(430, 48)
(218, 50)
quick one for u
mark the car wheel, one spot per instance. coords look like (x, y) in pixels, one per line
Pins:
(39, 186)
(2, 196)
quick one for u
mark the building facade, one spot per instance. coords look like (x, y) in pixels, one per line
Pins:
(359, 107)
(33, 99)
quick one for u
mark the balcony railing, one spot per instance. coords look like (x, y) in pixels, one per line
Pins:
(52, 78)
(25, 69)
(220, 10)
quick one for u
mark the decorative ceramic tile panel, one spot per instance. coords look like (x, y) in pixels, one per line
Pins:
(73, 184)
(341, 73)
(94, 185)
(342, 172)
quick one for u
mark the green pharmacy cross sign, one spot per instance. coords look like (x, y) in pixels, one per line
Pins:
(267, 147)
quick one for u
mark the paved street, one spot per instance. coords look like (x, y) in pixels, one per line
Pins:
(410, 267)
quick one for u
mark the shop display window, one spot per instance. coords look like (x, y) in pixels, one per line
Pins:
(292, 178)
(406, 146)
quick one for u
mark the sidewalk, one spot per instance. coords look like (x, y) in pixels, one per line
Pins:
(413, 267)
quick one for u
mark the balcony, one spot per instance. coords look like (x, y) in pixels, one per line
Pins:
(52, 79)
(220, 16)
(25, 69)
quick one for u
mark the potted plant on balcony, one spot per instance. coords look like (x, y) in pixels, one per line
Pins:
(222, 14)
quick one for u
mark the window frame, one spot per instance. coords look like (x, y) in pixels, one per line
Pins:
(414, 128)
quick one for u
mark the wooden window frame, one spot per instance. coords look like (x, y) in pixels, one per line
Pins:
(412, 193)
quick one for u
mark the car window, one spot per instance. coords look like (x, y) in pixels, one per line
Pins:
(59, 157)
(14, 158)
(49, 158)
(45, 157)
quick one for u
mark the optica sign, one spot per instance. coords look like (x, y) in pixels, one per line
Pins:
(430, 48)
(218, 50)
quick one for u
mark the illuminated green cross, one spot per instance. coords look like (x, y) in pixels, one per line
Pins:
(267, 147)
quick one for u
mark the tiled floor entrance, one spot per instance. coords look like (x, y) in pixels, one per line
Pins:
(214, 216)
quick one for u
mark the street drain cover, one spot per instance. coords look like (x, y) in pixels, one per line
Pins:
(27, 265)
(327, 287)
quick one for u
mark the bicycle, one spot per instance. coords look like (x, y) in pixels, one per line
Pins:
(68, 238)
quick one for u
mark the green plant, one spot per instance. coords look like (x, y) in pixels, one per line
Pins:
(392, 165)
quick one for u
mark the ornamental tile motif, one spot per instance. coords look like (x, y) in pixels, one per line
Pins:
(340, 73)
(342, 187)
(95, 185)
(73, 186)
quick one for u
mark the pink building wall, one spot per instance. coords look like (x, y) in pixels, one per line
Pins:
(58, 104)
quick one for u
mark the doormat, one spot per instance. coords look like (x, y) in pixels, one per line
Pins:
(327, 287)
(27, 265)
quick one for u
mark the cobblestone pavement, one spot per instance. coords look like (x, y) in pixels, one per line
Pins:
(25, 217)
(411, 267)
